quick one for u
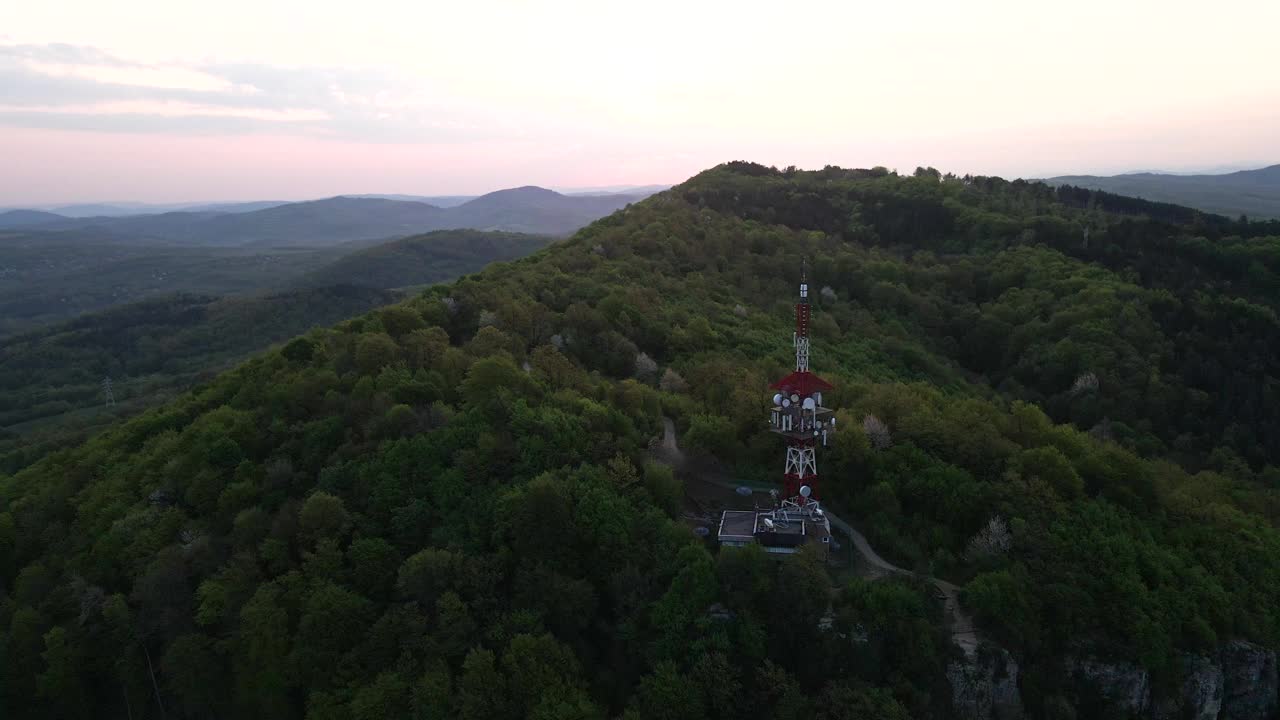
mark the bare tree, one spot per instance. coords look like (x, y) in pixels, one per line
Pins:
(877, 432)
(672, 382)
(645, 365)
(1088, 382)
(992, 540)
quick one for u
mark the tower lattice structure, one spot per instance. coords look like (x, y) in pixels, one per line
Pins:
(798, 414)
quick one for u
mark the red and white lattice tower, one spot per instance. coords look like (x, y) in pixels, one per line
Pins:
(798, 414)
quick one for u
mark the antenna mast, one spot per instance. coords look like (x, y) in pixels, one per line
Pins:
(798, 414)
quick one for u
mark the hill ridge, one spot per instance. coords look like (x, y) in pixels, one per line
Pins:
(1255, 193)
(344, 218)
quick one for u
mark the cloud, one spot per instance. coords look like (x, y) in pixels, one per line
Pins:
(85, 88)
(168, 109)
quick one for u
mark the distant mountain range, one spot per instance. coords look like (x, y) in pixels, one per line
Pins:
(340, 219)
(124, 209)
(1255, 193)
(27, 218)
(88, 210)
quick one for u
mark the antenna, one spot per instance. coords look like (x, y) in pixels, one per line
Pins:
(106, 390)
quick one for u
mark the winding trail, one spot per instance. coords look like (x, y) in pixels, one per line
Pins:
(963, 631)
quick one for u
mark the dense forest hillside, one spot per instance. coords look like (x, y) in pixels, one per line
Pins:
(424, 259)
(50, 277)
(51, 380)
(1255, 193)
(443, 508)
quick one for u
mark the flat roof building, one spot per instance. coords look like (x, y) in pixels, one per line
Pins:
(779, 531)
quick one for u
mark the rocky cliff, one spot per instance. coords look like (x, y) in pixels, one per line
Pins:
(985, 686)
(1239, 683)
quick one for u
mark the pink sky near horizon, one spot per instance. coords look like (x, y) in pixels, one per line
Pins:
(156, 101)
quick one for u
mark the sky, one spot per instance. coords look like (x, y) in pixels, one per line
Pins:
(176, 100)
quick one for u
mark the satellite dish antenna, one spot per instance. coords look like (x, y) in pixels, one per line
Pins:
(768, 523)
(795, 397)
(777, 399)
(786, 402)
(805, 491)
(809, 404)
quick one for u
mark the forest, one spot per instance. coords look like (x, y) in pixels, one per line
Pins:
(51, 377)
(51, 380)
(444, 507)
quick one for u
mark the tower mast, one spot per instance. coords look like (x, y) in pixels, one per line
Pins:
(798, 414)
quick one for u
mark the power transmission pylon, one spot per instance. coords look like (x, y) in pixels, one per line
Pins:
(106, 390)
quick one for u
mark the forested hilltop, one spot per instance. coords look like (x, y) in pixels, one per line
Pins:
(443, 508)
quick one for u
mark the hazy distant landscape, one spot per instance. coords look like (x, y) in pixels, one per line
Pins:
(55, 268)
(336, 220)
(1254, 193)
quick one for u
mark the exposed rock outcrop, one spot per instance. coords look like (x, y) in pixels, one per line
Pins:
(1121, 684)
(986, 686)
(1250, 683)
(1198, 696)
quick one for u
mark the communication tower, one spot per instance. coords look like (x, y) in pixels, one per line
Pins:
(798, 414)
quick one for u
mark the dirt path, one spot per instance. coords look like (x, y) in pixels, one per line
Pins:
(963, 631)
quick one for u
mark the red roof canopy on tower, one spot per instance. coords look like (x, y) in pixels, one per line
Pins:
(802, 383)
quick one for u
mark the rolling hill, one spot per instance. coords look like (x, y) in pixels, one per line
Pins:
(534, 210)
(424, 259)
(337, 220)
(446, 508)
(1255, 193)
(107, 209)
(48, 277)
(16, 219)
